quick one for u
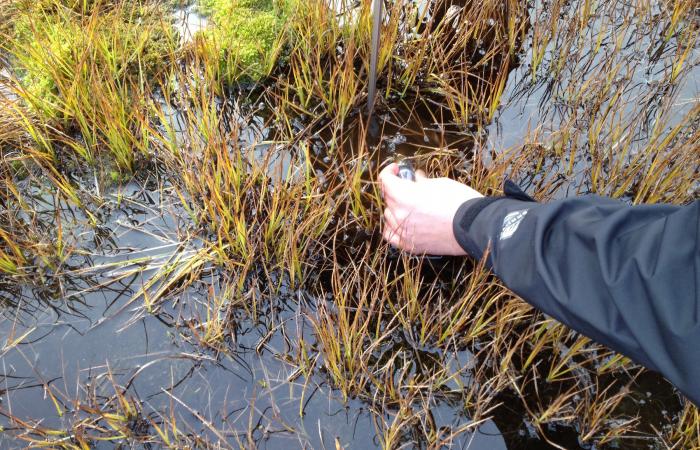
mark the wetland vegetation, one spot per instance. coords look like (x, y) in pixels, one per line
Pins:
(190, 246)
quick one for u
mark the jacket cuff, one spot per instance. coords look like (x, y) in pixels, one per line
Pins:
(463, 219)
(469, 210)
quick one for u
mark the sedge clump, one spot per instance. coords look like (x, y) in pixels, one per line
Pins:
(87, 70)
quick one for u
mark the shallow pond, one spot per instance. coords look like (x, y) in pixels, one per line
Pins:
(84, 352)
(81, 340)
(84, 337)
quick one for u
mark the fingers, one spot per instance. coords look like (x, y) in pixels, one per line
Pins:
(398, 195)
(397, 192)
(393, 231)
(396, 231)
(390, 219)
(389, 171)
(392, 238)
(398, 239)
(391, 225)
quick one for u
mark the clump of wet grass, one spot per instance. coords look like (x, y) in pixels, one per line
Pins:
(616, 132)
(463, 55)
(255, 210)
(87, 69)
(12, 254)
(104, 412)
(25, 245)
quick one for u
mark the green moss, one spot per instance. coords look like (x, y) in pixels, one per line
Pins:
(19, 169)
(41, 57)
(247, 35)
(116, 177)
(56, 48)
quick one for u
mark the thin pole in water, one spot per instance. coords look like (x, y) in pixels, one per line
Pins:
(376, 23)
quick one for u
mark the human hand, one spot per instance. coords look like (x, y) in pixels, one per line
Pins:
(418, 217)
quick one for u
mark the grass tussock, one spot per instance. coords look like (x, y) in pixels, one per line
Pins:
(463, 56)
(89, 68)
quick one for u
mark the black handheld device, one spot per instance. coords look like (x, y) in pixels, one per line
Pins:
(406, 170)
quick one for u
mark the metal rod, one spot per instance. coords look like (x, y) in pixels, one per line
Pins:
(376, 24)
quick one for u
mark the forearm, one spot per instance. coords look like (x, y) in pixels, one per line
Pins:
(624, 276)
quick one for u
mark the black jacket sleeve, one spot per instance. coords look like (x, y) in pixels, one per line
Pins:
(625, 276)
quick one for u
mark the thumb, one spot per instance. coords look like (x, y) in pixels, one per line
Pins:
(420, 175)
(393, 186)
(389, 171)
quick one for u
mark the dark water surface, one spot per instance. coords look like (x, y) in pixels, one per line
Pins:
(89, 336)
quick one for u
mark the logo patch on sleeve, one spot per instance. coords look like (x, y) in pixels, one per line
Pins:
(511, 222)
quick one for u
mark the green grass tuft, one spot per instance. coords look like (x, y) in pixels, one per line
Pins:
(92, 71)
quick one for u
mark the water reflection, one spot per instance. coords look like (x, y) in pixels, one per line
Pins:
(189, 22)
(85, 339)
